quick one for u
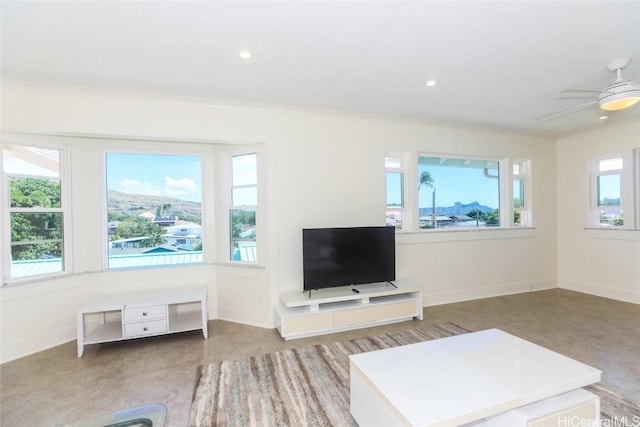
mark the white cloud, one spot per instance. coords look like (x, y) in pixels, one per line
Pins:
(184, 184)
(172, 187)
(133, 186)
(178, 187)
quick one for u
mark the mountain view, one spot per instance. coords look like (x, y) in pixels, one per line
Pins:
(457, 209)
(124, 204)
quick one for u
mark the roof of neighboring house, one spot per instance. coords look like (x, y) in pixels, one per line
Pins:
(157, 259)
(463, 217)
(438, 218)
(148, 215)
(35, 267)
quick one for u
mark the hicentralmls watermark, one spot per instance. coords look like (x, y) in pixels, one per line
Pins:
(575, 421)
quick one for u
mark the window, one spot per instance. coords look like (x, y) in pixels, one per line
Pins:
(636, 185)
(606, 192)
(154, 215)
(521, 204)
(458, 192)
(243, 207)
(37, 211)
(395, 176)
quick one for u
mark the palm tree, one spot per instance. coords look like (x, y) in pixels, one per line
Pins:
(427, 180)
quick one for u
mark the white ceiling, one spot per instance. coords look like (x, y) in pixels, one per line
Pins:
(498, 64)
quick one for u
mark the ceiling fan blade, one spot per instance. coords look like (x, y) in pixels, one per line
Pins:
(579, 91)
(555, 115)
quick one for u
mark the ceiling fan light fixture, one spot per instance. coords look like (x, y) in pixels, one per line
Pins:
(620, 100)
(620, 104)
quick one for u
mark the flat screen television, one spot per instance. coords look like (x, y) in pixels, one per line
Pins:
(348, 256)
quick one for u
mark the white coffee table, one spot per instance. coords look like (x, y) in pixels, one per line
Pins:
(460, 379)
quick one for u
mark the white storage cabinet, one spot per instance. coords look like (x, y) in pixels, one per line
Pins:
(123, 317)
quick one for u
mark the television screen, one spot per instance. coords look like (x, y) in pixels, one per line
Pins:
(348, 256)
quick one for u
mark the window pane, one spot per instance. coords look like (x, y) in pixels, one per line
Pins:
(36, 258)
(518, 193)
(35, 214)
(27, 227)
(517, 168)
(154, 210)
(610, 164)
(243, 234)
(458, 192)
(23, 160)
(395, 190)
(393, 162)
(611, 217)
(246, 196)
(244, 170)
(37, 251)
(609, 190)
(32, 192)
(394, 218)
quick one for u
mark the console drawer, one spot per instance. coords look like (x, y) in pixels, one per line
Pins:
(399, 309)
(356, 316)
(313, 322)
(145, 328)
(137, 314)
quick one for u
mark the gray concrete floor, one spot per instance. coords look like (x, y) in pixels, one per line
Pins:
(54, 387)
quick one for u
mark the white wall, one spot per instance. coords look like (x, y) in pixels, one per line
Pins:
(599, 262)
(322, 169)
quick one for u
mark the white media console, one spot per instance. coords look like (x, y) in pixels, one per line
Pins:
(338, 309)
(128, 316)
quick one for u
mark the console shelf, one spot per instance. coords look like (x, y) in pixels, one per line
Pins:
(340, 309)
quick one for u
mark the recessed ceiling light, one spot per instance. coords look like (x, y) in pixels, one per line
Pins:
(245, 54)
(431, 83)
(604, 117)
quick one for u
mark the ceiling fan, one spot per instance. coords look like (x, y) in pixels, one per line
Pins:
(619, 95)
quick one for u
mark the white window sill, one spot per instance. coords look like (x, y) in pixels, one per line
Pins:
(444, 235)
(612, 233)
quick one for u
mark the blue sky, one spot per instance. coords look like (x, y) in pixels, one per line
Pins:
(156, 175)
(464, 185)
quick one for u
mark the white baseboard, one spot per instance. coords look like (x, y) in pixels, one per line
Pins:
(626, 295)
(34, 344)
(468, 294)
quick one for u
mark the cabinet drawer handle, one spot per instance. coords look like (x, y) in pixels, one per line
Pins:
(145, 329)
(144, 313)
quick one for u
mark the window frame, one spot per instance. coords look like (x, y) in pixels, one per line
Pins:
(596, 209)
(229, 186)
(410, 218)
(636, 187)
(526, 215)
(64, 177)
(405, 194)
(503, 189)
(105, 219)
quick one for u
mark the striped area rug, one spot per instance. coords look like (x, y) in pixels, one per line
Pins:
(310, 386)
